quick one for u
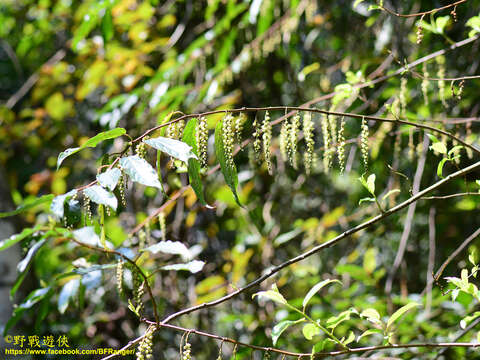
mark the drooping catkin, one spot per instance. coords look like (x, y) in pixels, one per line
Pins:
(186, 353)
(239, 121)
(364, 143)
(425, 83)
(202, 140)
(284, 140)
(119, 276)
(138, 290)
(175, 130)
(141, 149)
(294, 129)
(163, 226)
(257, 140)
(403, 97)
(87, 209)
(122, 185)
(308, 128)
(142, 237)
(441, 83)
(327, 153)
(267, 141)
(341, 145)
(420, 30)
(228, 138)
(144, 350)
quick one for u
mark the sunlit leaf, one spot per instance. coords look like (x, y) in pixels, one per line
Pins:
(109, 179)
(69, 290)
(192, 266)
(397, 314)
(92, 142)
(316, 288)
(273, 295)
(281, 327)
(100, 196)
(310, 330)
(27, 205)
(57, 205)
(12, 240)
(140, 171)
(170, 247)
(175, 148)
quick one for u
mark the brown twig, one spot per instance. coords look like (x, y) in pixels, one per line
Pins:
(424, 12)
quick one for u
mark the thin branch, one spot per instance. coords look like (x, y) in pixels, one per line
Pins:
(12, 101)
(424, 12)
(307, 109)
(325, 245)
(409, 219)
(431, 257)
(449, 196)
(456, 252)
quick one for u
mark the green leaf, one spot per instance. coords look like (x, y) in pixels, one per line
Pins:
(57, 205)
(433, 138)
(439, 147)
(100, 196)
(440, 167)
(12, 240)
(441, 22)
(316, 288)
(92, 142)
(109, 179)
(140, 171)
(310, 330)
(193, 266)
(368, 333)
(369, 184)
(170, 247)
(107, 25)
(69, 290)
(334, 321)
(366, 200)
(390, 193)
(33, 298)
(397, 314)
(273, 295)
(281, 327)
(175, 148)
(374, 7)
(355, 4)
(189, 138)
(228, 169)
(371, 315)
(28, 205)
(24, 265)
(349, 339)
(87, 235)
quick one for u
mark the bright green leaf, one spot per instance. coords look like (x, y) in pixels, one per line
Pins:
(28, 205)
(397, 314)
(273, 295)
(310, 330)
(316, 288)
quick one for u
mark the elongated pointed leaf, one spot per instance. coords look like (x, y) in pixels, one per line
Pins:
(140, 171)
(192, 266)
(317, 288)
(228, 169)
(397, 314)
(28, 205)
(12, 240)
(69, 290)
(189, 137)
(273, 295)
(92, 142)
(170, 247)
(100, 196)
(281, 327)
(175, 148)
(57, 203)
(107, 25)
(109, 179)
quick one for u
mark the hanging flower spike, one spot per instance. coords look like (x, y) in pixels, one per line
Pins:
(308, 128)
(364, 143)
(202, 140)
(341, 145)
(267, 141)
(228, 138)
(294, 130)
